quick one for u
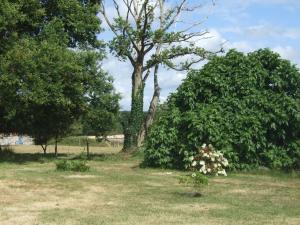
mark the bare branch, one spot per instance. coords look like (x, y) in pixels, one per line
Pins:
(131, 59)
(103, 12)
(192, 26)
(166, 56)
(177, 10)
(135, 7)
(117, 8)
(151, 46)
(146, 76)
(185, 66)
(129, 9)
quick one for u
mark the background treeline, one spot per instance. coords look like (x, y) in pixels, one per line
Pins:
(81, 128)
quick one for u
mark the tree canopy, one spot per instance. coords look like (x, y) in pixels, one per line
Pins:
(248, 106)
(49, 66)
(143, 33)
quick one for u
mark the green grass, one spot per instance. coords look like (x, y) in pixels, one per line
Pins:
(78, 141)
(72, 165)
(117, 191)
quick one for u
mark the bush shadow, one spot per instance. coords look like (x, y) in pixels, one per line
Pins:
(9, 156)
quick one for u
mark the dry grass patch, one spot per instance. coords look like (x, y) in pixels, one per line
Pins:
(80, 176)
(117, 191)
(196, 207)
(66, 149)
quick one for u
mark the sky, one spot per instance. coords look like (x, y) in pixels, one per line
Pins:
(245, 25)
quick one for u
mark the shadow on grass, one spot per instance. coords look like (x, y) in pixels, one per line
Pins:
(8, 155)
(114, 157)
(189, 194)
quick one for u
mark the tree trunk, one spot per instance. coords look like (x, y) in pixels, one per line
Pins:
(44, 148)
(87, 148)
(55, 149)
(131, 133)
(152, 110)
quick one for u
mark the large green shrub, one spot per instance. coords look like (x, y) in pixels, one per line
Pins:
(248, 106)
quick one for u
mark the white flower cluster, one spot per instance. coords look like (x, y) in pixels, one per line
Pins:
(209, 161)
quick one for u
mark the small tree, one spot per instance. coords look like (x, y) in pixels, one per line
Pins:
(102, 108)
(53, 89)
(145, 36)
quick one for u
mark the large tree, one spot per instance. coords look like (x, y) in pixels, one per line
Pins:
(49, 69)
(61, 25)
(144, 34)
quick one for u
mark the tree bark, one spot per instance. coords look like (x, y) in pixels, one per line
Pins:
(152, 110)
(136, 115)
(44, 148)
(87, 148)
(55, 149)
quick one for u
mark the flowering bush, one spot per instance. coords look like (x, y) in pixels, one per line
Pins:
(208, 161)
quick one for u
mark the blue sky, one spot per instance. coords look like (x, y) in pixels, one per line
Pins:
(242, 24)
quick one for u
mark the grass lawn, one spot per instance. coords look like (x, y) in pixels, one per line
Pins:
(117, 191)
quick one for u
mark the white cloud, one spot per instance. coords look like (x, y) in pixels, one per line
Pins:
(235, 11)
(289, 53)
(264, 31)
(242, 46)
(121, 72)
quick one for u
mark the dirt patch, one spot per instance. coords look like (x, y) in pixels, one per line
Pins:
(24, 219)
(230, 181)
(153, 184)
(79, 176)
(23, 202)
(199, 207)
(247, 191)
(259, 182)
(163, 173)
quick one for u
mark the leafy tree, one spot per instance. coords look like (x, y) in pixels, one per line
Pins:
(248, 106)
(103, 106)
(76, 19)
(144, 35)
(62, 22)
(48, 66)
(51, 92)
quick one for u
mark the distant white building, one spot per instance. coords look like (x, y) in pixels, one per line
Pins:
(14, 139)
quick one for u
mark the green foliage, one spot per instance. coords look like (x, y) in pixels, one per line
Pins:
(248, 106)
(6, 152)
(101, 115)
(135, 121)
(48, 91)
(195, 180)
(71, 21)
(148, 41)
(72, 165)
(49, 68)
